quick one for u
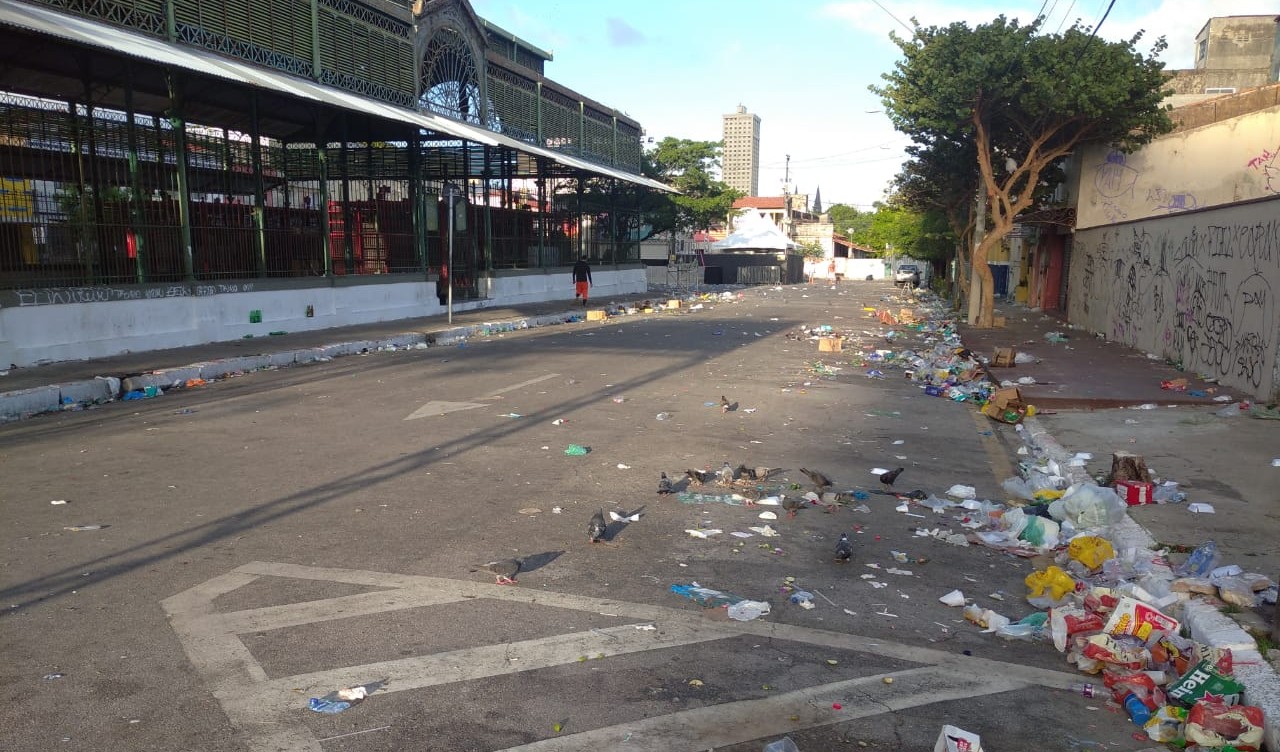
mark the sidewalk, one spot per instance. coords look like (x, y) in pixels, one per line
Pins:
(1081, 386)
(25, 392)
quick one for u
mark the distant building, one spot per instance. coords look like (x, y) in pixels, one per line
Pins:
(740, 162)
(1232, 54)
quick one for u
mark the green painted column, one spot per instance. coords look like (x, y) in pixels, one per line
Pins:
(259, 187)
(322, 159)
(184, 179)
(487, 174)
(417, 205)
(136, 199)
(317, 63)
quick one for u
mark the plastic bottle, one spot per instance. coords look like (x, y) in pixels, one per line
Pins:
(1084, 689)
(801, 596)
(1139, 713)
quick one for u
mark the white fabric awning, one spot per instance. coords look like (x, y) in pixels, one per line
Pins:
(107, 37)
(752, 231)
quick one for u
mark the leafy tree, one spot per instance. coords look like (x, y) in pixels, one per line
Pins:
(1025, 101)
(848, 220)
(811, 250)
(689, 167)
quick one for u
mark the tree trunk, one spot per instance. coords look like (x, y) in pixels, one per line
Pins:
(1129, 466)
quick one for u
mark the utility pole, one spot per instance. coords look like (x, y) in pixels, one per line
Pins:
(975, 282)
(786, 176)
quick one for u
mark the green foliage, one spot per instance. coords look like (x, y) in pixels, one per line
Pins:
(848, 220)
(688, 166)
(995, 108)
(811, 249)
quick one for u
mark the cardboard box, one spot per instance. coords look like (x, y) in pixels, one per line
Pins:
(1003, 357)
(1135, 493)
(673, 304)
(1006, 406)
(999, 322)
(830, 344)
(597, 315)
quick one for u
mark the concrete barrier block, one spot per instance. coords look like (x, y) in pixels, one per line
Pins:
(216, 369)
(101, 389)
(17, 404)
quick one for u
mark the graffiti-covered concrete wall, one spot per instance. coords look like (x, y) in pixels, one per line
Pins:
(1206, 163)
(1199, 288)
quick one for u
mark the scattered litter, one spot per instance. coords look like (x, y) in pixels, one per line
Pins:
(704, 533)
(644, 627)
(955, 599)
(624, 517)
(740, 534)
(1200, 507)
(954, 739)
(577, 450)
(748, 610)
(53, 676)
(58, 502)
(530, 510)
(766, 515)
(750, 410)
(511, 415)
(766, 531)
(83, 528)
(962, 492)
(706, 596)
(556, 510)
(623, 467)
(559, 422)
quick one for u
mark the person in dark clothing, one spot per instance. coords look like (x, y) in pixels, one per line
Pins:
(581, 279)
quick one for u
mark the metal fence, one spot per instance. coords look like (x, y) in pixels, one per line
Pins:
(91, 196)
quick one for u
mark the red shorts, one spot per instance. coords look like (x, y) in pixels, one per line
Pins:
(580, 290)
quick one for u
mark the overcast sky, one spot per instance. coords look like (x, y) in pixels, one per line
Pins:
(803, 66)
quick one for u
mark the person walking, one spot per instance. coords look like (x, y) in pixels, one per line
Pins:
(581, 279)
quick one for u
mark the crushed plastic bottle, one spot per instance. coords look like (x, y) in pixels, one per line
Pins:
(1201, 561)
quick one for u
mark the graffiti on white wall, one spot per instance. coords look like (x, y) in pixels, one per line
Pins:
(1266, 163)
(1199, 289)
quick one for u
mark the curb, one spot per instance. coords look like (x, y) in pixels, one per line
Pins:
(26, 403)
(1205, 623)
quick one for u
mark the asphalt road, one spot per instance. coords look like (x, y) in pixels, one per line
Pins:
(277, 536)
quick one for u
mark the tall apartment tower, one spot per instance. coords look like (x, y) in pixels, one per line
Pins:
(740, 160)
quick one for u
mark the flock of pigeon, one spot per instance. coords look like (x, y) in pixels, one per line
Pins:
(505, 570)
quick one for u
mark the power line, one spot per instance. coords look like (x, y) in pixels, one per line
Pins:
(909, 29)
(1065, 16)
(1094, 32)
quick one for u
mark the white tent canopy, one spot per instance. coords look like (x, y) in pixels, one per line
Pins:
(752, 231)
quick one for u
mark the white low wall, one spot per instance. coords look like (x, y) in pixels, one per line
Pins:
(44, 326)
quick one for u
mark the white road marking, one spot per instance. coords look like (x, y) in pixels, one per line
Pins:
(737, 722)
(436, 407)
(269, 711)
(440, 407)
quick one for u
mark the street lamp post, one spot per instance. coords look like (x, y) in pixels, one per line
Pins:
(451, 196)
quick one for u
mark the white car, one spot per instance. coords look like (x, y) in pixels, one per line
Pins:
(907, 274)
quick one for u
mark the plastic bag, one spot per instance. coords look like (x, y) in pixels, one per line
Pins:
(1019, 489)
(1237, 591)
(1013, 522)
(954, 739)
(1040, 532)
(1214, 725)
(1052, 584)
(1089, 506)
(1067, 621)
(1166, 725)
(1091, 550)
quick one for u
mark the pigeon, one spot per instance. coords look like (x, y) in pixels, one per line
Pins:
(889, 477)
(596, 528)
(724, 404)
(844, 549)
(820, 481)
(755, 473)
(504, 570)
(664, 485)
(696, 477)
(725, 475)
(792, 505)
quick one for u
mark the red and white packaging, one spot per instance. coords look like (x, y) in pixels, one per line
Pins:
(1136, 619)
(1135, 493)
